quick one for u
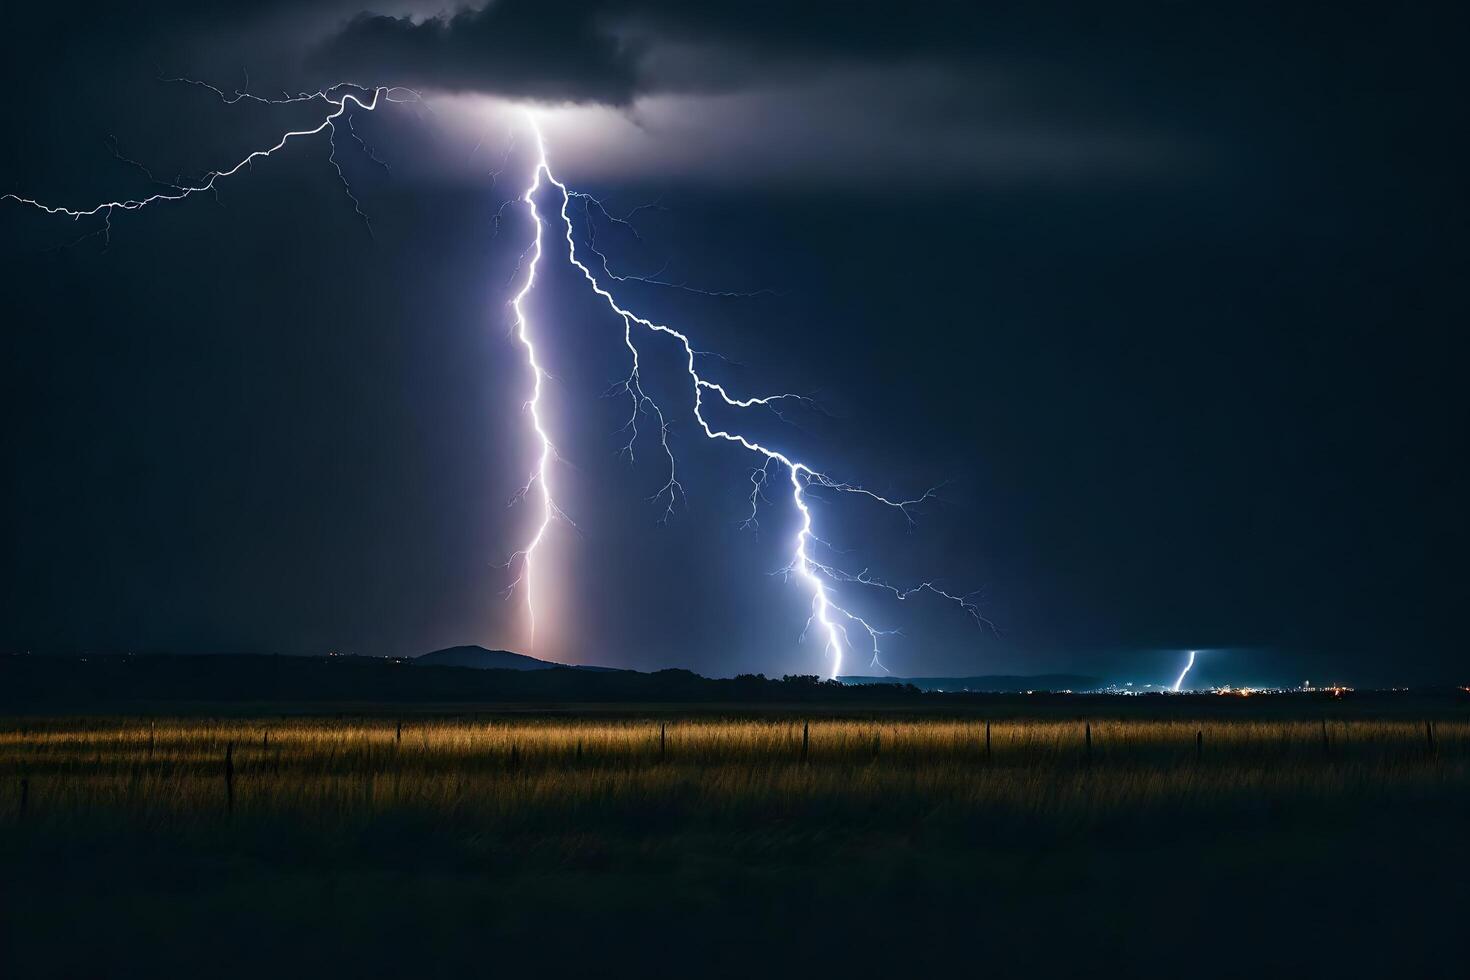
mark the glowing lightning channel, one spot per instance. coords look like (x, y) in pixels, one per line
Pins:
(1185, 672)
(540, 478)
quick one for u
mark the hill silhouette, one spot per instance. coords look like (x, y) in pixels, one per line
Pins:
(480, 658)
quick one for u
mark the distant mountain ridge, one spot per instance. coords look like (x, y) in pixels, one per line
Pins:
(480, 658)
(65, 683)
(989, 683)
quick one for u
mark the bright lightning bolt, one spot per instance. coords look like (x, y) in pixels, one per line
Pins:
(1185, 672)
(820, 576)
(541, 476)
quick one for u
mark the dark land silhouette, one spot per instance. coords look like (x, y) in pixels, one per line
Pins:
(474, 676)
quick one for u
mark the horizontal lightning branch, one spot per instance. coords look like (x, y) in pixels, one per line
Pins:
(339, 99)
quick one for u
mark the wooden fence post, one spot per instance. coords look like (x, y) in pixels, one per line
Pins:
(987, 743)
(1199, 746)
(230, 778)
(663, 741)
(1087, 735)
(1429, 735)
(1326, 745)
(398, 736)
(806, 739)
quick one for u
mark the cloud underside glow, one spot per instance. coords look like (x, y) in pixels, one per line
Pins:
(843, 131)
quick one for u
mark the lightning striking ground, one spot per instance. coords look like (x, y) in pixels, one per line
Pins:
(1185, 672)
(830, 614)
(540, 479)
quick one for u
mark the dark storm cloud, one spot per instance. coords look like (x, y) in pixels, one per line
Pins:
(1211, 84)
(560, 49)
(839, 89)
(609, 50)
(612, 50)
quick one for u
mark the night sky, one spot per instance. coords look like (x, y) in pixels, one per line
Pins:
(1170, 297)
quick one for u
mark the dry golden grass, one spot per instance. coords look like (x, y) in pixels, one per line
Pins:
(594, 847)
(531, 774)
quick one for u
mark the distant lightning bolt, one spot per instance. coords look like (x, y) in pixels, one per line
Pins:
(1185, 672)
(819, 575)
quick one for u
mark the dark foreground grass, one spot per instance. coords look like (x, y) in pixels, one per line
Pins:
(711, 846)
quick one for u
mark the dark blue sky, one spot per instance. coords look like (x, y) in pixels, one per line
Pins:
(1169, 300)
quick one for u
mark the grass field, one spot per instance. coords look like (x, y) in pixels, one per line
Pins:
(705, 844)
